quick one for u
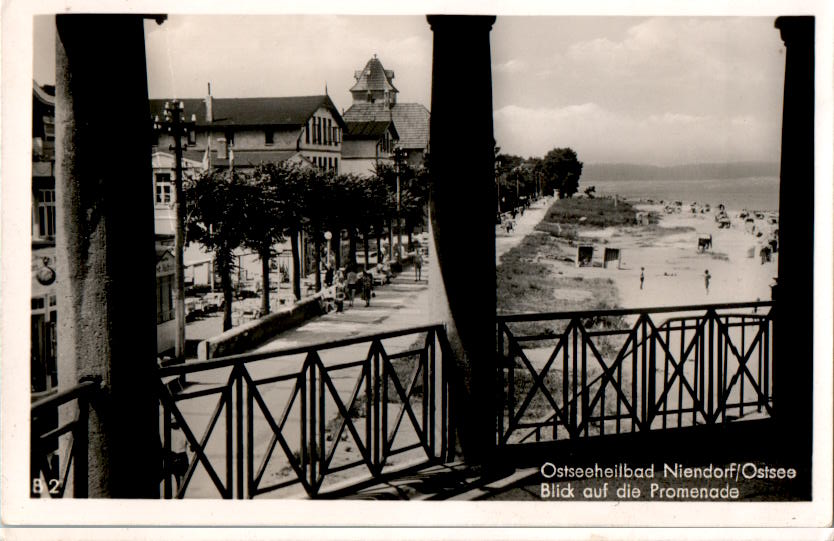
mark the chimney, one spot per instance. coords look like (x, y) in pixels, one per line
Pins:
(222, 149)
(209, 100)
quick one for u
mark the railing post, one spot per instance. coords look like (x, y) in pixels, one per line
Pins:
(166, 453)
(499, 376)
(79, 447)
(239, 429)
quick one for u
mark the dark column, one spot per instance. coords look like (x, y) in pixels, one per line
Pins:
(793, 340)
(105, 245)
(462, 215)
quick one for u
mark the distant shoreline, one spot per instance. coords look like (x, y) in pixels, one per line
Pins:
(611, 172)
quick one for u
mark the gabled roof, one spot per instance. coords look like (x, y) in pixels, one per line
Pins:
(286, 111)
(411, 121)
(370, 129)
(254, 158)
(373, 77)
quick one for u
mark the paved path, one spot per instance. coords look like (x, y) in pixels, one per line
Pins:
(402, 303)
(524, 224)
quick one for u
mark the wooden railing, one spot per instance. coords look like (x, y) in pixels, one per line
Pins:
(50, 473)
(583, 374)
(315, 416)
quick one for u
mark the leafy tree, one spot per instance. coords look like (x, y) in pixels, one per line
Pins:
(277, 211)
(562, 169)
(217, 207)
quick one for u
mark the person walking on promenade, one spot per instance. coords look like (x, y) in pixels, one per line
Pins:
(642, 276)
(367, 286)
(706, 280)
(352, 281)
(340, 291)
(418, 264)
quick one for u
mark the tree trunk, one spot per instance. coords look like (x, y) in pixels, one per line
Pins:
(336, 246)
(317, 255)
(365, 246)
(265, 253)
(352, 247)
(390, 240)
(378, 244)
(296, 265)
(224, 261)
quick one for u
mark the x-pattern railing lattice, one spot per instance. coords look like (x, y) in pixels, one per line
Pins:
(692, 368)
(323, 419)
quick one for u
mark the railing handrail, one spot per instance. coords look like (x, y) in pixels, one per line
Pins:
(535, 316)
(66, 395)
(232, 360)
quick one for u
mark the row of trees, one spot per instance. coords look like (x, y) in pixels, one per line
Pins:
(558, 170)
(228, 210)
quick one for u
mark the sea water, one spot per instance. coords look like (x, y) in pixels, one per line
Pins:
(753, 193)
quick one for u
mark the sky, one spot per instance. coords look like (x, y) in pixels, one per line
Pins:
(663, 91)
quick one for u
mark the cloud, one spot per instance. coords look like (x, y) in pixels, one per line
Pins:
(285, 55)
(659, 90)
(602, 135)
(513, 65)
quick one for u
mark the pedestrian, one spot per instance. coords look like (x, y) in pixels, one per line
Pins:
(706, 280)
(340, 291)
(328, 276)
(418, 265)
(642, 277)
(367, 286)
(352, 281)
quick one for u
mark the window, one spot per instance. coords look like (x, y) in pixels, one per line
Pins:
(269, 137)
(336, 164)
(307, 132)
(329, 163)
(164, 189)
(329, 131)
(192, 137)
(230, 137)
(46, 213)
(318, 131)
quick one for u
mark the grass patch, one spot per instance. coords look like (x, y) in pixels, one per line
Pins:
(598, 212)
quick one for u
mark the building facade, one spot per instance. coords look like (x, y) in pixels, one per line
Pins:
(44, 309)
(375, 100)
(368, 144)
(243, 132)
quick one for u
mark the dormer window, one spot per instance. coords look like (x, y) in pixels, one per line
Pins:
(269, 137)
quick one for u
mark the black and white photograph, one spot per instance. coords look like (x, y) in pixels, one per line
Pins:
(528, 268)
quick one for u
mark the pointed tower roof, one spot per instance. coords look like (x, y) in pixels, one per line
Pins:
(373, 77)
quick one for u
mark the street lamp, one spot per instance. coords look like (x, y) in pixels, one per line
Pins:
(175, 124)
(398, 156)
(327, 236)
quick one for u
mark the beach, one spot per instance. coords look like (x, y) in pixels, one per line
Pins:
(668, 256)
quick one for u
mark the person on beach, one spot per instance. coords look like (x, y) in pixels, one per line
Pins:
(706, 280)
(642, 276)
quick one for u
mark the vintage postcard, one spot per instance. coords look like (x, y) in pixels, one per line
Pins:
(329, 266)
